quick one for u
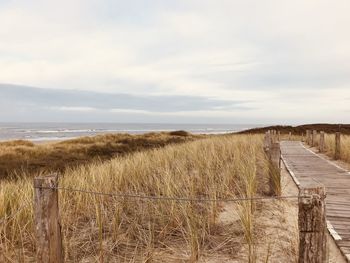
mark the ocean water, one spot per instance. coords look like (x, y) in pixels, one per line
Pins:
(61, 131)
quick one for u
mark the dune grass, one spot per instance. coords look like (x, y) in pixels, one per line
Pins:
(329, 145)
(344, 146)
(110, 229)
(20, 157)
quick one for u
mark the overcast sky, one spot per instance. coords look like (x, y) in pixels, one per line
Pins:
(262, 61)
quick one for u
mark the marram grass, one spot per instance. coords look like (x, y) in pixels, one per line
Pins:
(110, 229)
(344, 146)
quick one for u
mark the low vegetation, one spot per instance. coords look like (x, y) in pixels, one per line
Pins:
(301, 129)
(23, 157)
(111, 229)
(344, 145)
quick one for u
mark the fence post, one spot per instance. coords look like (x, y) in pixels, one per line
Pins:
(267, 141)
(272, 132)
(275, 169)
(275, 139)
(46, 220)
(290, 136)
(271, 139)
(312, 225)
(308, 139)
(337, 146)
(279, 136)
(321, 146)
(314, 137)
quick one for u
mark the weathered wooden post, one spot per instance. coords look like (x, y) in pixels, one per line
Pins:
(313, 138)
(337, 146)
(275, 136)
(272, 133)
(308, 137)
(271, 138)
(321, 146)
(290, 136)
(275, 169)
(267, 142)
(279, 136)
(275, 154)
(312, 225)
(46, 220)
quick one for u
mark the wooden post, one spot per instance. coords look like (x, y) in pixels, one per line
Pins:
(290, 136)
(279, 136)
(275, 154)
(313, 138)
(274, 136)
(269, 136)
(308, 139)
(267, 141)
(337, 146)
(272, 133)
(321, 146)
(275, 169)
(312, 225)
(46, 219)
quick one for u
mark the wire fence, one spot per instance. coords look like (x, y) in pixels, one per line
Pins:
(134, 196)
(169, 198)
(127, 247)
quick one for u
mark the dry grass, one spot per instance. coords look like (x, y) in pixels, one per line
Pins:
(23, 157)
(111, 229)
(344, 146)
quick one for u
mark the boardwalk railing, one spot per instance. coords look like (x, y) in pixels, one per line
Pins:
(47, 222)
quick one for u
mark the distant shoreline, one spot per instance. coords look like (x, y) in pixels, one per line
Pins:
(54, 140)
(299, 130)
(42, 132)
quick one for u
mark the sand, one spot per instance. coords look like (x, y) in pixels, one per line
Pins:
(276, 229)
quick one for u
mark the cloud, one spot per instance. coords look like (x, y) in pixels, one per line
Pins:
(22, 103)
(87, 100)
(236, 59)
(78, 109)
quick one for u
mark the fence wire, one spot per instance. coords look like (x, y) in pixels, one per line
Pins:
(169, 198)
(152, 198)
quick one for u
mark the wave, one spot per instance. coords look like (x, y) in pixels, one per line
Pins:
(42, 139)
(65, 131)
(47, 132)
(122, 130)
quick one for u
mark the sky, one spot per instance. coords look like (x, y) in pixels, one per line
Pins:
(183, 61)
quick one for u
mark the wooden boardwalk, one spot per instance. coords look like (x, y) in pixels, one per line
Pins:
(310, 169)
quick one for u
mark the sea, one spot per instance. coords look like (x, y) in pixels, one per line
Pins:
(40, 132)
